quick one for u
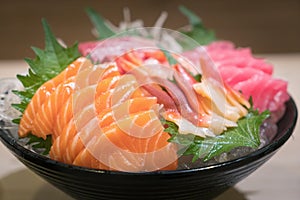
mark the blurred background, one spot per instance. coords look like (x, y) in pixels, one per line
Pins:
(268, 26)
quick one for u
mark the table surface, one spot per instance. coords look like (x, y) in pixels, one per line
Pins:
(278, 179)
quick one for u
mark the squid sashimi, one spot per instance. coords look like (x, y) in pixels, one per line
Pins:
(194, 108)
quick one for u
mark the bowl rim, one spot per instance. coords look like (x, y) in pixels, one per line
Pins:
(12, 144)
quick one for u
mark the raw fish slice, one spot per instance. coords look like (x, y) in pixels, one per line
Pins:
(63, 117)
(44, 92)
(46, 115)
(234, 75)
(224, 54)
(120, 105)
(139, 104)
(266, 91)
(88, 75)
(114, 149)
(245, 73)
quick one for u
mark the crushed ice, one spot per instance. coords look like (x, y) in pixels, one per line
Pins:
(8, 113)
(7, 98)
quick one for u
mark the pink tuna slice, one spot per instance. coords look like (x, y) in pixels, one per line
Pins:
(245, 73)
(266, 91)
(224, 54)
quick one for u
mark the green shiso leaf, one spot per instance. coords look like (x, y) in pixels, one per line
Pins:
(198, 31)
(97, 20)
(40, 144)
(47, 64)
(246, 134)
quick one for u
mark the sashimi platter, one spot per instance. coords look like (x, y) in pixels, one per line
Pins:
(145, 103)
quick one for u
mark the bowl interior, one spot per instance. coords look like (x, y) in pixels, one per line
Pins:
(203, 182)
(286, 126)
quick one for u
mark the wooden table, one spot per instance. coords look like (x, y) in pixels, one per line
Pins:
(278, 179)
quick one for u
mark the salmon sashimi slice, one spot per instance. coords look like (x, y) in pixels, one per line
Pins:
(158, 159)
(63, 117)
(99, 118)
(109, 115)
(88, 75)
(117, 114)
(50, 109)
(130, 133)
(86, 159)
(44, 92)
(45, 117)
(124, 102)
(67, 145)
(107, 84)
(92, 74)
(115, 152)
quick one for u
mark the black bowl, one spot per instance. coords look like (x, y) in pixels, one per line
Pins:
(200, 183)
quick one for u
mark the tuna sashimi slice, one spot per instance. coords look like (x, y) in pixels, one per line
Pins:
(224, 54)
(245, 73)
(266, 91)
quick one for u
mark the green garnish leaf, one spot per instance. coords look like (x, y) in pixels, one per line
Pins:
(47, 64)
(102, 29)
(246, 134)
(198, 77)
(39, 144)
(194, 20)
(251, 103)
(198, 31)
(171, 60)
